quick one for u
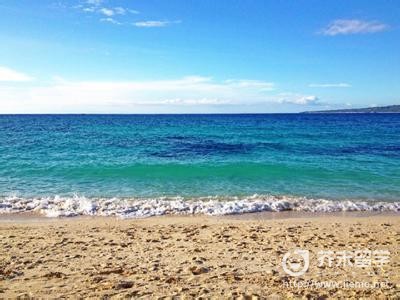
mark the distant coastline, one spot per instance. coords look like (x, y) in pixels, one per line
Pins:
(377, 109)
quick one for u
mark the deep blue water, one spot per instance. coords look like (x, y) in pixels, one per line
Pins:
(335, 156)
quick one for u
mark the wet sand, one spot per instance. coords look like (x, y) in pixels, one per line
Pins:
(192, 256)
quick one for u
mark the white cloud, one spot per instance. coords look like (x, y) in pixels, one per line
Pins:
(89, 9)
(298, 99)
(353, 26)
(7, 74)
(329, 85)
(191, 102)
(155, 23)
(261, 85)
(119, 10)
(185, 93)
(94, 2)
(106, 96)
(107, 12)
(110, 20)
(96, 7)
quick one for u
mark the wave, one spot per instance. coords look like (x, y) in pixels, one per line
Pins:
(58, 206)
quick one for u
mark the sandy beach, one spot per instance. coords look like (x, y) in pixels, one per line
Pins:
(218, 257)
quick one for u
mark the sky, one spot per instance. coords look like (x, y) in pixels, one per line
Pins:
(197, 56)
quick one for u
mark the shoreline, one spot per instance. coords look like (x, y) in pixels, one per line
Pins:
(183, 256)
(33, 217)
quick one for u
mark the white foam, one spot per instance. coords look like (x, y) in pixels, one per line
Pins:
(140, 208)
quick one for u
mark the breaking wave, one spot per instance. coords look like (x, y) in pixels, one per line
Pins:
(58, 206)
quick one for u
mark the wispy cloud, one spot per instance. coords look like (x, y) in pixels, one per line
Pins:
(109, 13)
(155, 23)
(128, 95)
(110, 20)
(94, 2)
(88, 9)
(120, 10)
(329, 85)
(152, 95)
(298, 99)
(10, 75)
(352, 26)
(113, 11)
(133, 11)
(251, 84)
(193, 102)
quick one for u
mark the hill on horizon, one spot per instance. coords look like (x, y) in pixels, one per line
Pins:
(376, 109)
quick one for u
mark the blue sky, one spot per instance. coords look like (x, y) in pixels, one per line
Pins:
(191, 56)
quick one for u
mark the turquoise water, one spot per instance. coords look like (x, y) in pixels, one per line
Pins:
(347, 156)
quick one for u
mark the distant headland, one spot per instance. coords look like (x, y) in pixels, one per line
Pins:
(377, 109)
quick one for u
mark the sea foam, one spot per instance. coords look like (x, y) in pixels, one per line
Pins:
(140, 208)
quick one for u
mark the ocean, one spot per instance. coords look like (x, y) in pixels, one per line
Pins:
(144, 165)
